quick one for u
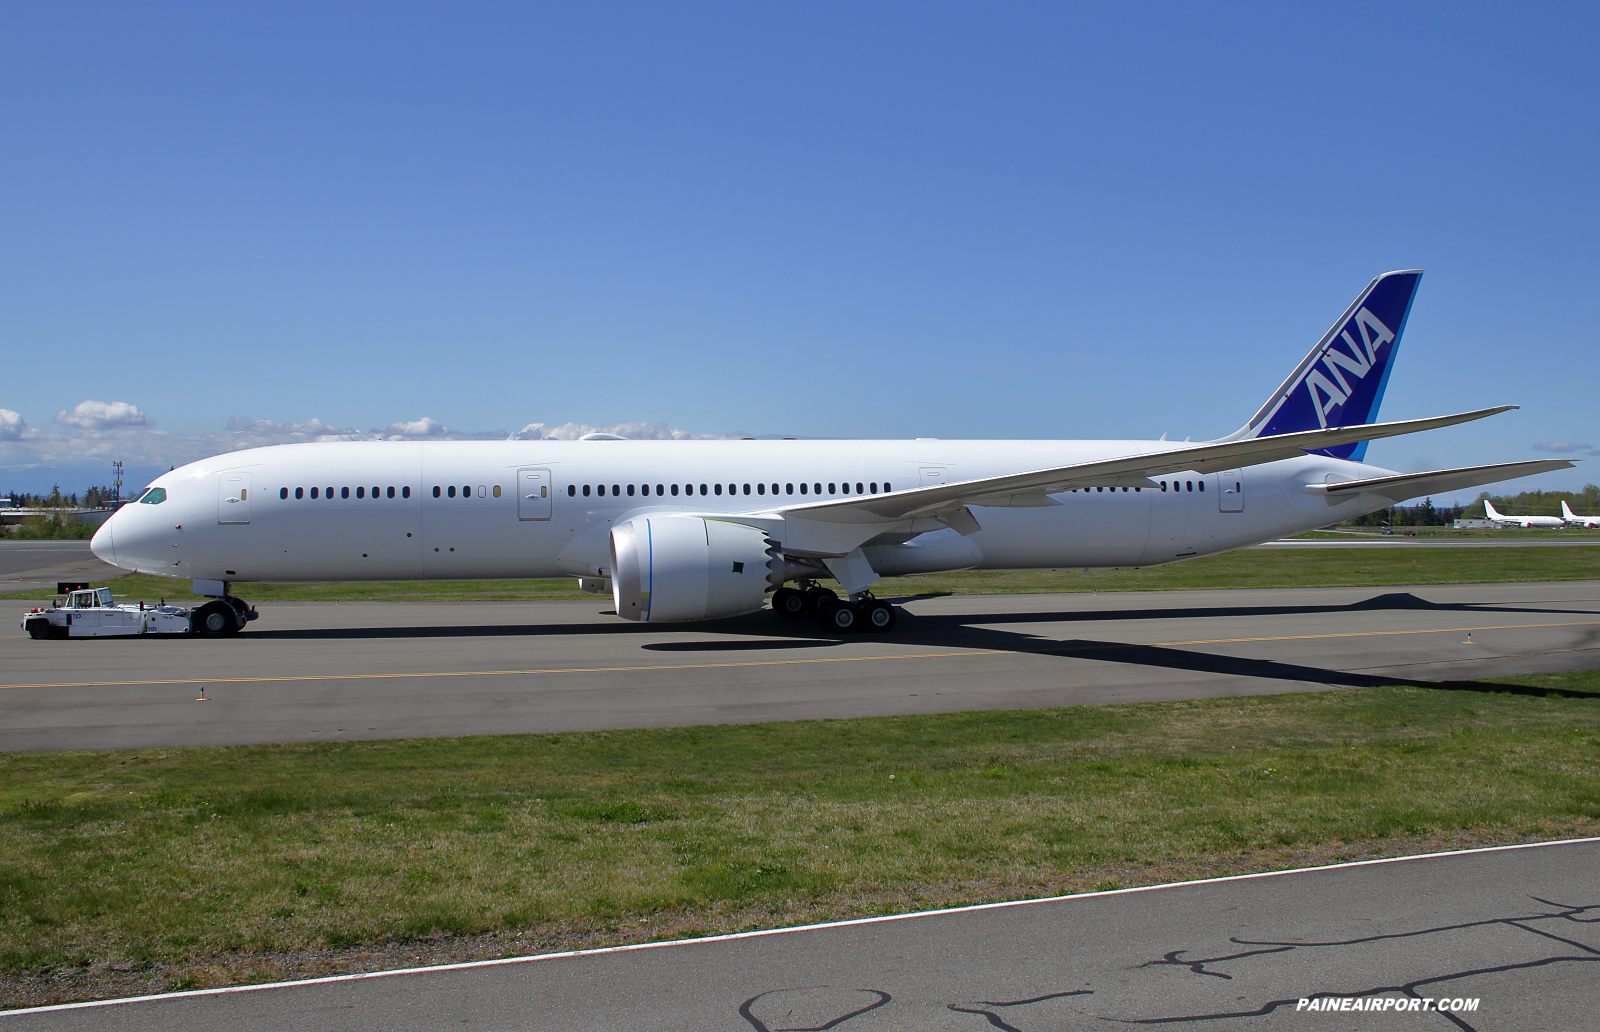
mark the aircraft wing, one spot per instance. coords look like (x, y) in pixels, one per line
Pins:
(947, 500)
(1414, 485)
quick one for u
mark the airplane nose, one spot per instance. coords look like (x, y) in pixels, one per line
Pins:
(101, 544)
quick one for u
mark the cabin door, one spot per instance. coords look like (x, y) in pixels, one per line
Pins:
(233, 505)
(533, 494)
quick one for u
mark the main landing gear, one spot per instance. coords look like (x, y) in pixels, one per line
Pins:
(861, 613)
(221, 617)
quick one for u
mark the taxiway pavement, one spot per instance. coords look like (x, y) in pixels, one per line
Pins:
(1515, 930)
(321, 671)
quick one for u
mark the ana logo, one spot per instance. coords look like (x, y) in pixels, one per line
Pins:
(1359, 361)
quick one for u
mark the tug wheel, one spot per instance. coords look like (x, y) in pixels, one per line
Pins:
(214, 620)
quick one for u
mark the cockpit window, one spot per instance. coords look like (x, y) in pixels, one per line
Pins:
(154, 496)
(138, 496)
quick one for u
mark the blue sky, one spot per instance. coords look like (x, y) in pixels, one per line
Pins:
(836, 221)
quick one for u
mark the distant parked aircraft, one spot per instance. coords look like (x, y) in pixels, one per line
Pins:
(1577, 521)
(1522, 521)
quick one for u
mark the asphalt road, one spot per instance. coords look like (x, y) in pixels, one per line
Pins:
(35, 567)
(1517, 930)
(319, 671)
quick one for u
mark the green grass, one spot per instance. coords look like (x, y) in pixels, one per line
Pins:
(154, 858)
(1250, 568)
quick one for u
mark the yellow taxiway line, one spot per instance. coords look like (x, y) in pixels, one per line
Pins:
(1062, 649)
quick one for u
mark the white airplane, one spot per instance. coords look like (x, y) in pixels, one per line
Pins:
(1574, 519)
(1521, 521)
(691, 530)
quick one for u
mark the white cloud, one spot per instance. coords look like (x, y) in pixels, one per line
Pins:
(90, 435)
(424, 427)
(1560, 447)
(633, 429)
(311, 430)
(103, 415)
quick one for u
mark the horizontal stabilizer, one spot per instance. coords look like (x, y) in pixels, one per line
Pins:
(1415, 485)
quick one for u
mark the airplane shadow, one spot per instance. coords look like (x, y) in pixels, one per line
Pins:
(766, 632)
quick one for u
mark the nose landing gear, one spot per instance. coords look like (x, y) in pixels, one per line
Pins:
(221, 617)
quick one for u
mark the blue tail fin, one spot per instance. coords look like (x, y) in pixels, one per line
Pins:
(1341, 382)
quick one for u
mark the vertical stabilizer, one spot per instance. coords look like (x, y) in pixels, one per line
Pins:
(1488, 507)
(1341, 382)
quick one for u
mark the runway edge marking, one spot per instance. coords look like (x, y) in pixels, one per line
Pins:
(763, 932)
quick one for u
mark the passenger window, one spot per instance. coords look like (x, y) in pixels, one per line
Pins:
(832, 489)
(314, 493)
(497, 490)
(586, 490)
(802, 488)
(719, 489)
(328, 493)
(788, 488)
(452, 491)
(391, 492)
(1100, 489)
(436, 490)
(1189, 484)
(283, 492)
(747, 489)
(733, 489)
(845, 488)
(616, 490)
(674, 490)
(761, 489)
(299, 492)
(630, 490)
(405, 492)
(361, 492)
(572, 489)
(344, 492)
(1163, 485)
(466, 491)
(660, 490)
(859, 489)
(874, 486)
(702, 489)
(1202, 487)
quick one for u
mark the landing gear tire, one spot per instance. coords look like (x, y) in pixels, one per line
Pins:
(789, 603)
(815, 596)
(214, 620)
(879, 616)
(837, 616)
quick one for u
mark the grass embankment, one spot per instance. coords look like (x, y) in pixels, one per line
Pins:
(1257, 568)
(201, 866)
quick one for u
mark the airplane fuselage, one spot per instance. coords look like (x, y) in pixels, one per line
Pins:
(372, 511)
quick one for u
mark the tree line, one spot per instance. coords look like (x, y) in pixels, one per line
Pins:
(1527, 503)
(94, 498)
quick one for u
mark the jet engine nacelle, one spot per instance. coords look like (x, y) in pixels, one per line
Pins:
(666, 569)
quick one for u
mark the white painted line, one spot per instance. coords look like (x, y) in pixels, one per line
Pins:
(503, 961)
